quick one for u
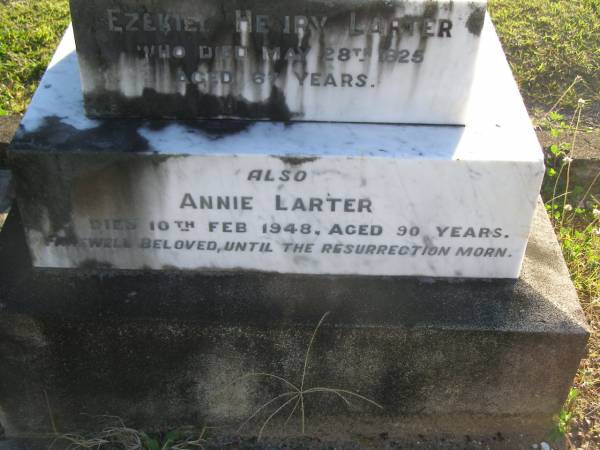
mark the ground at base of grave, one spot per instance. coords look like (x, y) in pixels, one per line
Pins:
(381, 442)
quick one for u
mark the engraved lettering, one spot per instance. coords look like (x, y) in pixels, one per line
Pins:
(112, 20)
(133, 19)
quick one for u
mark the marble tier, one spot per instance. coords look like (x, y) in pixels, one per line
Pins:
(304, 198)
(393, 61)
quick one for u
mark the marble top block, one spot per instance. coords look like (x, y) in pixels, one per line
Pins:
(390, 61)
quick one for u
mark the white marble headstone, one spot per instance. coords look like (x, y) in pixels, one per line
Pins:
(383, 61)
(311, 198)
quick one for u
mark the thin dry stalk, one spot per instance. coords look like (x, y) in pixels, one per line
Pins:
(297, 394)
(568, 181)
(559, 101)
(119, 435)
(50, 414)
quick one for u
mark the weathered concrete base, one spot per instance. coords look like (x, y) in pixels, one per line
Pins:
(160, 349)
(8, 126)
(6, 195)
(585, 168)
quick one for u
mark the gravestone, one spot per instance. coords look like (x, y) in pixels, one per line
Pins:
(318, 198)
(360, 61)
(237, 235)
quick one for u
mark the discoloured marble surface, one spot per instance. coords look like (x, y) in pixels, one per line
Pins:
(392, 61)
(498, 127)
(357, 198)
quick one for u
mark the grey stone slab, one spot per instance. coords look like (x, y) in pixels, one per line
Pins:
(161, 349)
(6, 195)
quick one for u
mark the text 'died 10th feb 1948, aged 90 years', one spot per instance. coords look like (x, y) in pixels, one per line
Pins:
(312, 215)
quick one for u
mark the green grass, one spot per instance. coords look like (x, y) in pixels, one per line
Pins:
(549, 43)
(575, 213)
(29, 31)
(581, 248)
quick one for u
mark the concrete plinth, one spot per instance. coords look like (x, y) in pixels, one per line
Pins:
(160, 349)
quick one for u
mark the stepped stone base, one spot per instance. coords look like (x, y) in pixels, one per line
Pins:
(160, 349)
